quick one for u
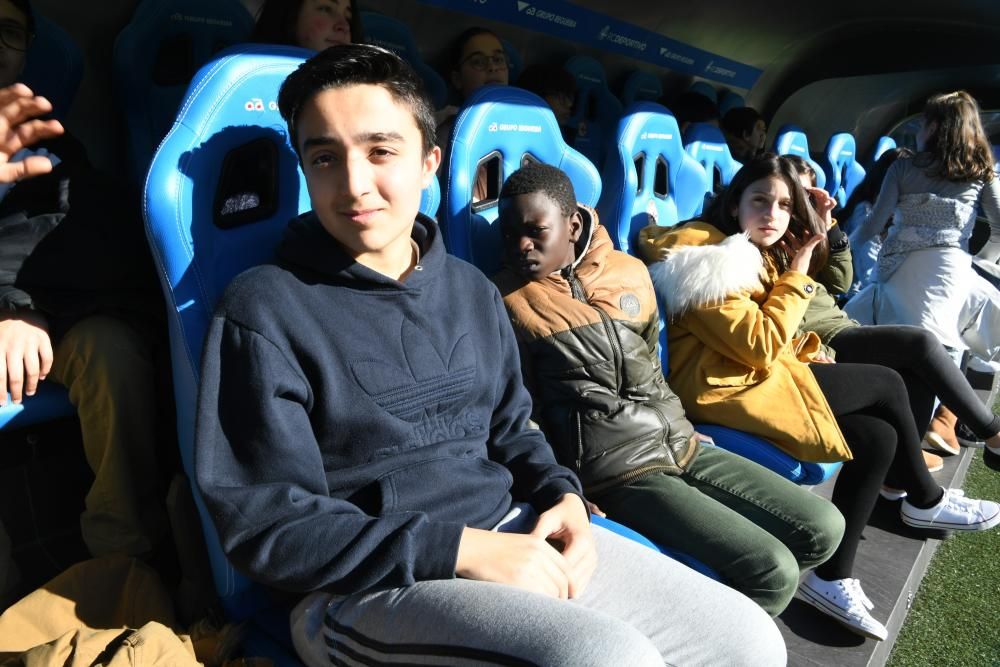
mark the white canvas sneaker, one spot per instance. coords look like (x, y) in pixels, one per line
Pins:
(843, 600)
(953, 512)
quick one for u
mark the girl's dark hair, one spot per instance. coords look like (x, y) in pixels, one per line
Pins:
(869, 188)
(959, 147)
(276, 21)
(24, 6)
(802, 167)
(350, 65)
(721, 213)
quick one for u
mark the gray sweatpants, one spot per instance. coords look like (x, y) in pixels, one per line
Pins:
(641, 608)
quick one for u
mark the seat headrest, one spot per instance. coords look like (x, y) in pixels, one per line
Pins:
(843, 171)
(649, 172)
(595, 110)
(641, 86)
(705, 89)
(791, 140)
(730, 101)
(514, 61)
(395, 36)
(706, 144)
(511, 126)
(53, 65)
(881, 146)
(157, 54)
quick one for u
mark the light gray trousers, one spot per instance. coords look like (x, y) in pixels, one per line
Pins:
(641, 608)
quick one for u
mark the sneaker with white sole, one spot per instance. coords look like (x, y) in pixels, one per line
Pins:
(953, 512)
(967, 438)
(843, 600)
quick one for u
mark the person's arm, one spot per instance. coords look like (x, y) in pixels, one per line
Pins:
(991, 206)
(838, 274)
(25, 354)
(19, 127)
(883, 209)
(538, 479)
(263, 479)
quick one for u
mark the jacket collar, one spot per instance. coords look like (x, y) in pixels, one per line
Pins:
(308, 246)
(705, 273)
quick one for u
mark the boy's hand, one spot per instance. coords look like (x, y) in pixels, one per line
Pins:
(25, 355)
(568, 523)
(18, 105)
(524, 561)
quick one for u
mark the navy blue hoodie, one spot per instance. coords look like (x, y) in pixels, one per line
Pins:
(350, 425)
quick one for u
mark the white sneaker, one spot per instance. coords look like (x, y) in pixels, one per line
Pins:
(891, 494)
(844, 600)
(953, 512)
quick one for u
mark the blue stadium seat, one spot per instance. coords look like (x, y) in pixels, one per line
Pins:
(595, 111)
(649, 168)
(220, 191)
(843, 171)
(516, 126)
(881, 146)
(791, 140)
(705, 89)
(53, 65)
(730, 101)
(51, 401)
(641, 86)
(395, 36)
(156, 55)
(706, 144)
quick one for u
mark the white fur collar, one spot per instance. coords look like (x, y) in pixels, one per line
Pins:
(694, 276)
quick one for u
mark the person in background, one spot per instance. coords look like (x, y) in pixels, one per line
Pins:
(311, 24)
(693, 107)
(557, 87)
(745, 132)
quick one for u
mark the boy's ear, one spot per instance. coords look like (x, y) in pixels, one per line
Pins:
(575, 226)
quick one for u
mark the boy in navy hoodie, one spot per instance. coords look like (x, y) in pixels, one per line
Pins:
(363, 434)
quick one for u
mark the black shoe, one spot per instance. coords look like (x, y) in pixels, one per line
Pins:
(967, 438)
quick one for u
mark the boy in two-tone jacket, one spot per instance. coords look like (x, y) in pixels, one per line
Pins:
(586, 322)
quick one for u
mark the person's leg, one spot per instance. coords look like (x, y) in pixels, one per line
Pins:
(107, 368)
(926, 368)
(757, 530)
(641, 608)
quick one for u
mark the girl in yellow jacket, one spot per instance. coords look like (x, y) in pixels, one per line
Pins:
(735, 288)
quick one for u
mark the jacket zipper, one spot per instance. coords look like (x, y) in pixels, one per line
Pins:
(576, 289)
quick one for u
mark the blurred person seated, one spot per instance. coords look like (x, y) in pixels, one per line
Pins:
(311, 24)
(557, 87)
(745, 132)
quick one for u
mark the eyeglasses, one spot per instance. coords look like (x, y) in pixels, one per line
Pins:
(483, 63)
(14, 37)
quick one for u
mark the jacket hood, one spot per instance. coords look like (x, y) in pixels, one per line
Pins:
(307, 246)
(702, 268)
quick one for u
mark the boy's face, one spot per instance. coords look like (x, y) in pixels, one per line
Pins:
(14, 29)
(362, 155)
(538, 239)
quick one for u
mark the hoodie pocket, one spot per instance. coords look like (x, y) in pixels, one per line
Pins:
(734, 375)
(468, 488)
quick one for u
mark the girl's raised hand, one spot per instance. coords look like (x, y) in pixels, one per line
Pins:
(800, 250)
(822, 203)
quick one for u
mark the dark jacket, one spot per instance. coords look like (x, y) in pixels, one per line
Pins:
(588, 336)
(350, 426)
(824, 316)
(72, 244)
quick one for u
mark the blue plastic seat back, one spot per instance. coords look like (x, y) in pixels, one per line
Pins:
(641, 86)
(843, 171)
(220, 191)
(515, 63)
(649, 170)
(595, 111)
(51, 401)
(394, 35)
(706, 90)
(730, 101)
(53, 65)
(881, 146)
(156, 55)
(791, 140)
(707, 145)
(515, 126)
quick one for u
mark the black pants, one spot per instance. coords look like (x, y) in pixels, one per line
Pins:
(872, 408)
(926, 369)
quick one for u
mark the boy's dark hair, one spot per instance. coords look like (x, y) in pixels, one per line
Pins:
(547, 79)
(276, 21)
(351, 65)
(693, 107)
(24, 6)
(740, 122)
(537, 177)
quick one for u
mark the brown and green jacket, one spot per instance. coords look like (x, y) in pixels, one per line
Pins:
(588, 337)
